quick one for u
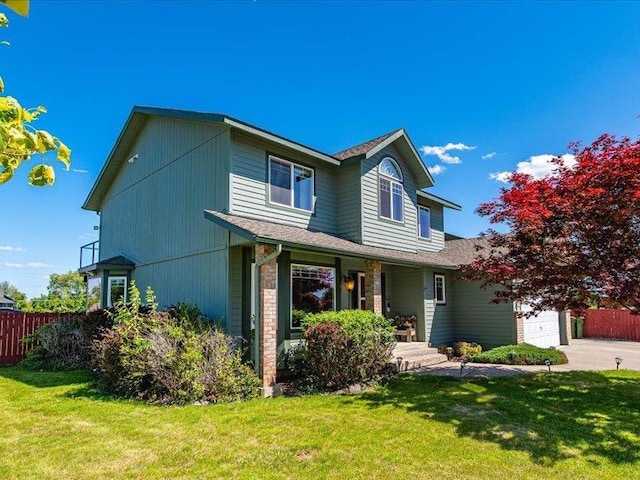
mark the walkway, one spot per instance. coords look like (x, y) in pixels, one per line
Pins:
(583, 354)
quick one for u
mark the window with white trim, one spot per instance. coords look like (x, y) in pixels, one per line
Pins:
(439, 288)
(424, 223)
(312, 291)
(116, 290)
(390, 197)
(290, 184)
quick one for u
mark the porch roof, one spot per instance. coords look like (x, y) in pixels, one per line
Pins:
(114, 263)
(261, 231)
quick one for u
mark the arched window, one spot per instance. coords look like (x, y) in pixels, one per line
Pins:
(390, 197)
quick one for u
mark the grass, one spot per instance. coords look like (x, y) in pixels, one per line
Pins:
(523, 354)
(561, 425)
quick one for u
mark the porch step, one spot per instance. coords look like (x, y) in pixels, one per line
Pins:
(415, 355)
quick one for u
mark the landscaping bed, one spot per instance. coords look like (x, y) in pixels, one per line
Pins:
(523, 354)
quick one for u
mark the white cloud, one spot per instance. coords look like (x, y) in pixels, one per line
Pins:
(38, 265)
(441, 151)
(79, 170)
(9, 248)
(503, 177)
(437, 169)
(488, 156)
(30, 265)
(538, 166)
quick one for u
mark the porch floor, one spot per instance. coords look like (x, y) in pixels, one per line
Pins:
(415, 355)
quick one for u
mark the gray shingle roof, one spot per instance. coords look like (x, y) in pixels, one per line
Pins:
(455, 253)
(363, 148)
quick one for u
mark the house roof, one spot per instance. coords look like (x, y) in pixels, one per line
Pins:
(440, 200)
(362, 148)
(405, 147)
(261, 231)
(119, 262)
(5, 298)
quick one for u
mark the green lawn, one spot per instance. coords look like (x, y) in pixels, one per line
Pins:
(574, 426)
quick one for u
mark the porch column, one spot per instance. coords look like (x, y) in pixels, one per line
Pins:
(268, 315)
(373, 286)
(518, 318)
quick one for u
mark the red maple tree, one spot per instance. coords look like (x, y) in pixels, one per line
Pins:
(574, 239)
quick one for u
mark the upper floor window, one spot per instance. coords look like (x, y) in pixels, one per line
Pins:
(424, 223)
(390, 190)
(290, 184)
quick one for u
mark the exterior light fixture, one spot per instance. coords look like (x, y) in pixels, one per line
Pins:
(618, 362)
(463, 363)
(547, 362)
(349, 283)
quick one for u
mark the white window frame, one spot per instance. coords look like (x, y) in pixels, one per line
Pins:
(362, 295)
(292, 167)
(392, 182)
(115, 277)
(333, 300)
(436, 277)
(428, 210)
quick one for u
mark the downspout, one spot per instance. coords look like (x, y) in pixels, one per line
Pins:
(256, 320)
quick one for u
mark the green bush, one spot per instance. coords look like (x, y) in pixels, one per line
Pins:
(343, 348)
(164, 357)
(466, 349)
(57, 345)
(523, 354)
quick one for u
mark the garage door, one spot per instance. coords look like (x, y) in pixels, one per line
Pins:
(542, 330)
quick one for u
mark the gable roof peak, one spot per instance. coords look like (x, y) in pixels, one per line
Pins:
(363, 148)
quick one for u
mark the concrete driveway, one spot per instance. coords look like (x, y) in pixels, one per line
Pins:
(583, 354)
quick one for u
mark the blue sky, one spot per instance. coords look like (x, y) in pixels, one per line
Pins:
(519, 80)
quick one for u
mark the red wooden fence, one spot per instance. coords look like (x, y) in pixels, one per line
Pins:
(619, 324)
(14, 326)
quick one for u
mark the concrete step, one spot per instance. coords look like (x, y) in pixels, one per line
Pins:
(414, 362)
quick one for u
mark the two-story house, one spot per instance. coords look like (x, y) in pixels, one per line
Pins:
(258, 229)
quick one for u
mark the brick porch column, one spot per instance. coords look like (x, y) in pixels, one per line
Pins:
(268, 315)
(373, 286)
(518, 318)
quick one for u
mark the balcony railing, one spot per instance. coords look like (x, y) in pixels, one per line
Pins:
(89, 253)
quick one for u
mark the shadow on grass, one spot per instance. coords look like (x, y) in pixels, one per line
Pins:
(552, 417)
(42, 379)
(81, 382)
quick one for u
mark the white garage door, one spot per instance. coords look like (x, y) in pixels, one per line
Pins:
(542, 330)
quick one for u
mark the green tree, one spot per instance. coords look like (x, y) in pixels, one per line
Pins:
(19, 140)
(67, 292)
(22, 303)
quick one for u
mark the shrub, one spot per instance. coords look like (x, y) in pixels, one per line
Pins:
(342, 349)
(94, 324)
(58, 346)
(466, 349)
(170, 357)
(523, 354)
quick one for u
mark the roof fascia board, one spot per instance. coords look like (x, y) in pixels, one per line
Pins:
(440, 200)
(280, 140)
(246, 234)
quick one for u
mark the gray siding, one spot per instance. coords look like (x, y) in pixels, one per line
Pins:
(249, 178)
(198, 279)
(479, 320)
(349, 211)
(234, 315)
(436, 243)
(439, 319)
(381, 232)
(407, 295)
(153, 212)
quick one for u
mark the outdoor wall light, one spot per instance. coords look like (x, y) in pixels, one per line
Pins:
(349, 283)
(618, 362)
(547, 362)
